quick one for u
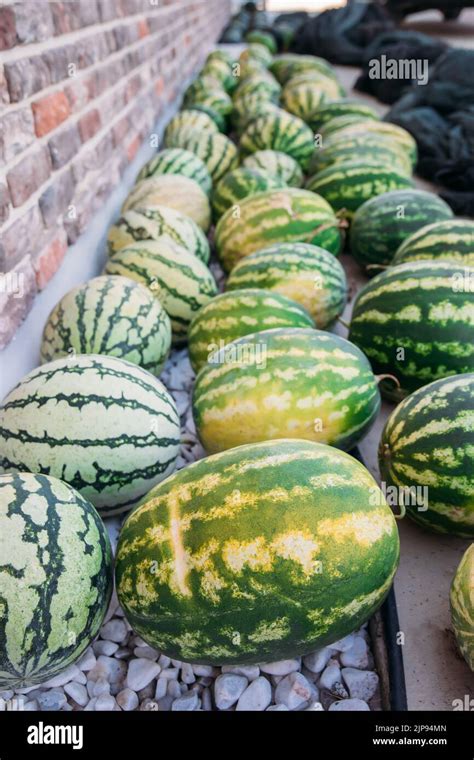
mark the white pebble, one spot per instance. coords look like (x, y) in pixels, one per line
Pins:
(248, 671)
(280, 668)
(344, 644)
(53, 699)
(105, 703)
(330, 675)
(164, 704)
(349, 705)
(87, 661)
(206, 700)
(205, 670)
(317, 661)
(362, 684)
(80, 677)
(6, 695)
(173, 689)
(104, 647)
(294, 691)
(257, 696)
(32, 706)
(110, 668)
(77, 692)
(228, 688)
(161, 686)
(188, 702)
(357, 656)
(170, 673)
(114, 630)
(147, 692)
(127, 700)
(164, 661)
(187, 674)
(67, 675)
(140, 673)
(149, 705)
(101, 686)
(277, 708)
(90, 705)
(314, 707)
(148, 653)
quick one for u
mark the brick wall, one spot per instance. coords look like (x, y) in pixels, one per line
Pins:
(81, 85)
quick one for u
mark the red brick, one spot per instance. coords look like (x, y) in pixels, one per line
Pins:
(28, 175)
(21, 237)
(132, 148)
(143, 28)
(159, 86)
(50, 111)
(133, 87)
(56, 198)
(8, 36)
(120, 130)
(25, 77)
(16, 132)
(89, 124)
(4, 204)
(80, 91)
(48, 261)
(64, 144)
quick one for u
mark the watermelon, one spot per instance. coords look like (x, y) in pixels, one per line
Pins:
(256, 52)
(263, 85)
(427, 453)
(247, 109)
(340, 122)
(462, 605)
(178, 161)
(305, 273)
(382, 223)
(221, 70)
(276, 216)
(155, 222)
(341, 107)
(205, 105)
(174, 191)
(277, 164)
(263, 553)
(218, 101)
(292, 382)
(109, 315)
(189, 120)
(288, 65)
(396, 134)
(238, 313)
(220, 55)
(449, 240)
(262, 38)
(181, 282)
(370, 148)
(416, 321)
(202, 85)
(279, 131)
(47, 425)
(302, 96)
(56, 577)
(347, 186)
(216, 150)
(239, 184)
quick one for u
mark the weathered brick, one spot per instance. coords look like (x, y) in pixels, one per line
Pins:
(8, 37)
(33, 20)
(92, 159)
(126, 34)
(21, 237)
(4, 203)
(28, 175)
(89, 124)
(61, 62)
(80, 91)
(106, 76)
(47, 262)
(91, 50)
(89, 12)
(25, 77)
(4, 94)
(134, 85)
(17, 292)
(16, 132)
(110, 10)
(133, 147)
(143, 28)
(66, 16)
(50, 111)
(56, 198)
(120, 130)
(64, 145)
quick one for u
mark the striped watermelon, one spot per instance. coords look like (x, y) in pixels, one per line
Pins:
(249, 108)
(56, 577)
(258, 53)
(218, 101)
(303, 95)
(202, 85)
(103, 425)
(341, 122)
(279, 131)
(427, 448)
(190, 120)
(450, 240)
(416, 321)
(174, 191)
(288, 65)
(292, 382)
(274, 549)
(205, 105)
(220, 55)
(368, 148)
(341, 107)
(262, 85)
(347, 186)
(180, 281)
(305, 273)
(109, 315)
(276, 216)
(263, 38)
(382, 223)
(238, 313)
(396, 134)
(216, 150)
(462, 605)
(277, 164)
(239, 184)
(155, 222)
(178, 161)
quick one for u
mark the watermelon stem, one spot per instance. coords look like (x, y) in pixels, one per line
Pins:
(379, 379)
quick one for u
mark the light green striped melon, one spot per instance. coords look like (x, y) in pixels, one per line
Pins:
(263, 85)
(178, 279)
(187, 120)
(256, 52)
(278, 164)
(397, 134)
(218, 101)
(56, 577)
(427, 453)
(263, 38)
(276, 216)
(205, 105)
(239, 184)
(109, 315)
(370, 148)
(249, 108)
(178, 161)
(341, 107)
(462, 605)
(235, 314)
(334, 125)
(289, 382)
(305, 273)
(303, 94)
(154, 222)
(279, 131)
(288, 65)
(416, 321)
(274, 549)
(103, 425)
(450, 240)
(216, 150)
(174, 191)
(203, 84)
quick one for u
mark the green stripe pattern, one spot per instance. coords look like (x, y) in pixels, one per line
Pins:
(397, 134)
(416, 321)
(304, 94)
(190, 120)
(344, 106)
(218, 153)
(55, 577)
(237, 313)
(371, 148)
(462, 605)
(106, 427)
(239, 184)
(277, 164)
(276, 216)
(178, 161)
(262, 553)
(450, 240)
(263, 85)
(288, 65)
(109, 315)
(249, 108)
(305, 273)
(288, 382)
(427, 452)
(382, 223)
(176, 278)
(279, 131)
(174, 191)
